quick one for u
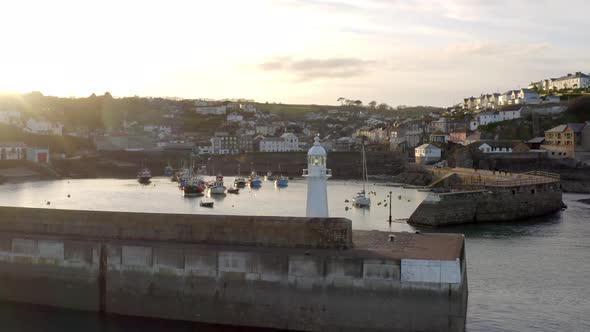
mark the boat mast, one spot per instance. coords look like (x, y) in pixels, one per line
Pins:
(364, 169)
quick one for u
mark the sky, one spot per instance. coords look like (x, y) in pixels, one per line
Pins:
(401, 52)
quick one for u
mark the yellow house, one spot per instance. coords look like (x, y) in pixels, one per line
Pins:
(561, 141)
(566, 134)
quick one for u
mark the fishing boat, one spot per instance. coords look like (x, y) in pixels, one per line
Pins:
(144, 175)
(206, 204)
(217, 188)
(233, 190)
(191, 185)
(281, 181)
(193, 188)
(255, 180)
(240, 181)
(361, 199)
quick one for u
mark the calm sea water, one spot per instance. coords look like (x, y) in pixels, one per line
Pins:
(523, 276)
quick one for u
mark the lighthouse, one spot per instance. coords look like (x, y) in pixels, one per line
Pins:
(317, 174)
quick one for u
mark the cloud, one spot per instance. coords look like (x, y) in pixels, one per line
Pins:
(469, 54)
(309, 69)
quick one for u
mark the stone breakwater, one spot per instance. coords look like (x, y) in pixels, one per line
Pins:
(284, 273)
(491, 198)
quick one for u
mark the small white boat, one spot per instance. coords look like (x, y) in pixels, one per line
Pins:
(361, 200)
(240, 182)
(217, 188)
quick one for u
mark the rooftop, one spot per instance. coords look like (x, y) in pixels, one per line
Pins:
(13, 145)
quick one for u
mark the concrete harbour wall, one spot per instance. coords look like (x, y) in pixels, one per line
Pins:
(386, 286)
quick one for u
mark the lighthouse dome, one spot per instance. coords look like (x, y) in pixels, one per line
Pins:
(317, 149)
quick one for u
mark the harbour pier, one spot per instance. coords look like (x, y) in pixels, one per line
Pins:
(289, 273)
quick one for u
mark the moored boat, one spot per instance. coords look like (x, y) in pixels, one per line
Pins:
(233, 190)
(206, 204)
(169, 171)
(282, 182)
(361, 199)
(194, 187)
(255, 180)
(217, 188)
(240, 182)
(144, 175)
(270, 176)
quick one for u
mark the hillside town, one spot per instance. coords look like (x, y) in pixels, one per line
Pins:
(424, 135)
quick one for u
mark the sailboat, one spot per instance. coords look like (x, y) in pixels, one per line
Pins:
(361, 199)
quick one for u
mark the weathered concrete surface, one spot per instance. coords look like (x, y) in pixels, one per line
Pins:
(213, 229)
(418, 282)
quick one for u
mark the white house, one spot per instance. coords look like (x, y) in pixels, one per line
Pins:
(486, 148)
(39, 126)
(159, 130)
(575, 81)
(501, 146)
(291, 141)
(485, 118)
(507, 98)
(211, 110)
(250, 108)
(273, 144)
(10, 117)
(234, 117)
(13, 150)
(527, 96)
(264, 129)
(509, 114)
(427, 154)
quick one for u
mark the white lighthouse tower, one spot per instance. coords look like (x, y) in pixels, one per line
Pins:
(317, 174)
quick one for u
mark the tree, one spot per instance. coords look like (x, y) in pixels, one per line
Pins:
(341, 100)
(383, 107)
(372, 104)
(358, 103)
(580, 108)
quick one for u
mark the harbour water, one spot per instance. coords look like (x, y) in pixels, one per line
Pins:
(523, 276)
